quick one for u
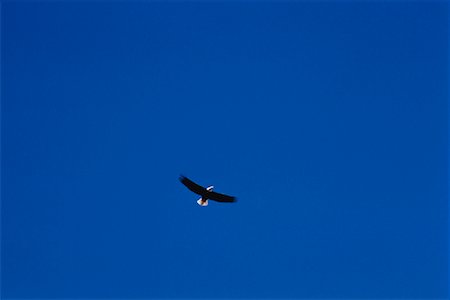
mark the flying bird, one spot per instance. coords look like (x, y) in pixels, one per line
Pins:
(205, 193)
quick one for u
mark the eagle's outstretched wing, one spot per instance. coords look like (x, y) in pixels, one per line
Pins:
(220, 197)
(198, 189)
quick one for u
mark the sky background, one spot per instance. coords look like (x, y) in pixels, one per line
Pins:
(327, 120)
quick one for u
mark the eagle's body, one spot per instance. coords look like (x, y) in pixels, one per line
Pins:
(205, 193)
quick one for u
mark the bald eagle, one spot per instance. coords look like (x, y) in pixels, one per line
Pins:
(205, 193)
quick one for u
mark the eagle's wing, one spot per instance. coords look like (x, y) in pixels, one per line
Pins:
(221, 197)
(198, 189)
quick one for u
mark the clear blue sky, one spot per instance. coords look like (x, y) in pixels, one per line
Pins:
(327, 120)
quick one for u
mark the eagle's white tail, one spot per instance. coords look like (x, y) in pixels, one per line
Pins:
(202, 202)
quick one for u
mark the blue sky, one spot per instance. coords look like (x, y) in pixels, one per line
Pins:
(327, 120)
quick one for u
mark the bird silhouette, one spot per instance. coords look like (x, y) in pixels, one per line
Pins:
(205, 193)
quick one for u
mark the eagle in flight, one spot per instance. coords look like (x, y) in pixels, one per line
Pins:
(205, 193)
